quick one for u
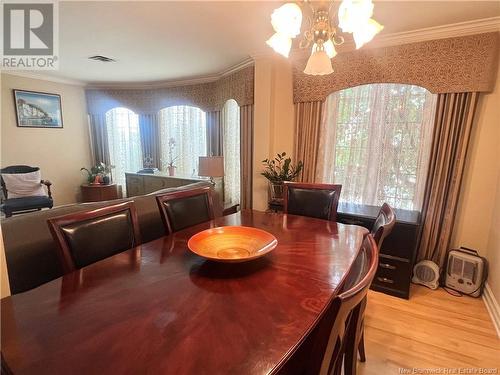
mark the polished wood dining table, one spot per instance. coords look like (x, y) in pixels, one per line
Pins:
(160, 309)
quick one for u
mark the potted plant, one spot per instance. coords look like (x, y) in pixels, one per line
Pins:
(170, 166)
(99, 174)
(277, 171)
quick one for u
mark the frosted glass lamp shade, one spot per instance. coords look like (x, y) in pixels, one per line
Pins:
(287, 19)
(353, 14)
(366, 33)
(211, 166)
(318, 64)
(280, 43)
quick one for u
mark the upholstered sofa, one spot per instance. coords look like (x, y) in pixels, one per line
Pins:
(30, 250)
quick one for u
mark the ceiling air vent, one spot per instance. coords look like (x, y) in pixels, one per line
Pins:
(102, 58)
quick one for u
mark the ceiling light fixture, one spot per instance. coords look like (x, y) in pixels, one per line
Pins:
(354, 16)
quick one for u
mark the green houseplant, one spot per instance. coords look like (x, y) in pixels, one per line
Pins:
(279, 170)
(99, 174)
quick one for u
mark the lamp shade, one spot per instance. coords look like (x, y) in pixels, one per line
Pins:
(318, 64)
(280, 43)
(211, 166)
(287, 19)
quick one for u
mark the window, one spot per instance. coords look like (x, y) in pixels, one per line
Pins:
(124, 143)
(231, 151)
(376, 142)
(182, 129)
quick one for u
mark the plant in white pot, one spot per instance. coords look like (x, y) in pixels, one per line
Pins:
(279, 170)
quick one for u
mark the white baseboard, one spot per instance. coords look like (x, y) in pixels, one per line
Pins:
(492, 307)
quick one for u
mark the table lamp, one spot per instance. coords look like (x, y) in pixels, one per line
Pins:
(211, 166)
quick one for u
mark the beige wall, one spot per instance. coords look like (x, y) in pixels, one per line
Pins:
(273, 121)
(60, 153)
(477, 222)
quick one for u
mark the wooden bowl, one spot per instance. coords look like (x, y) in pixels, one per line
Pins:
(232, 244)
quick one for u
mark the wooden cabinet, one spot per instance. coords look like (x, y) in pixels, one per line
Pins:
(398, 251)
(98, 193)
(143, 183)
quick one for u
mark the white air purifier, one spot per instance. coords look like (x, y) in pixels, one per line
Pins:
(466, 272)
(426, 273)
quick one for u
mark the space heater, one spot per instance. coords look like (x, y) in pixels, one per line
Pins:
(466, 271)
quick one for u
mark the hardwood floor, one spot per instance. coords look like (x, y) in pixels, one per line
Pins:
(431, 330)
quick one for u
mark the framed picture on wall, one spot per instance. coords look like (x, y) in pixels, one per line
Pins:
(38, 109)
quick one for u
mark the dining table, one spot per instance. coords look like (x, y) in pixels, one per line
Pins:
(160, 309)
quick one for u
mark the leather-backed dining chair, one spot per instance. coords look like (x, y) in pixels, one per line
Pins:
(323, 350)
(385, 221)
(314, 200)
(86, 237)
(182, 209)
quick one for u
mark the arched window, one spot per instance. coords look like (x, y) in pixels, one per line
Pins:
(376, 142)
(183, 138)
(124, 143)
(231, 151)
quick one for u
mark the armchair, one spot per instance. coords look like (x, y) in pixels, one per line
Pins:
(15, 205)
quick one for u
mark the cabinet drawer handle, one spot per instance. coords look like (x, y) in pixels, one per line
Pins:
(385, 280)
(387, 266)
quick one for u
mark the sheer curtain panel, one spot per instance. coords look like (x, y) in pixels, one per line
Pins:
(231, 152)
(184, 127)
(124, 143)
(375, 140)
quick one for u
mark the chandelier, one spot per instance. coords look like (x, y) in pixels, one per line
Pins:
(354, 16)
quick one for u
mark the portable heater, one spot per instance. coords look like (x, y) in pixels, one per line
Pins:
(466, 271)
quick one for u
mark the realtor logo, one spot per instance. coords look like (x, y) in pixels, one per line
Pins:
(29, 35)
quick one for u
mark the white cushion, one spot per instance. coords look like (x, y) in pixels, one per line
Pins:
(21, 185)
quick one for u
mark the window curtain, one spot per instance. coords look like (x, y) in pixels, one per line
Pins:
(99, 139)
(453, 124)
(124, 143)
(307, 128)
(186, 127)
(150, 140)
(231, 150)
(375, 140)
(214, 133)
(246, 155)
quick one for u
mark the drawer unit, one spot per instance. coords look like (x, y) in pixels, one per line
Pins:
(398, 251)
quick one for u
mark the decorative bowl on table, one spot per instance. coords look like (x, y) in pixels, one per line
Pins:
(232, 244)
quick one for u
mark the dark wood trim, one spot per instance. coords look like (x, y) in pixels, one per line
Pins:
(56, 223)
(163, 198)
(313, 186)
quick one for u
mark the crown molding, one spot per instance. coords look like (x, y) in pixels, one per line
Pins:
(173, 83)
(43, 77)
(454, 30)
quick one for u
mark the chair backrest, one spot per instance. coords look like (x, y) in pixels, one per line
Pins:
(182, 209)
(86, 237)
(313, 200)
(383, 225)
(321, 351)
(15, 169)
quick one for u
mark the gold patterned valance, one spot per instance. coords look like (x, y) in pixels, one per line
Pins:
(462, 64)
(209, 96)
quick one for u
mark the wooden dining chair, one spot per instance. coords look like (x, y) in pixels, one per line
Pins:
(314, 200)
(322, 351)
(86, 237)
(182, 209)
(385, 221)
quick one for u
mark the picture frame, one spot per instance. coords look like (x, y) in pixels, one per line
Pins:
(38, 109)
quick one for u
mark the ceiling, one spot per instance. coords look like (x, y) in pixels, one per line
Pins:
(162, 41)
